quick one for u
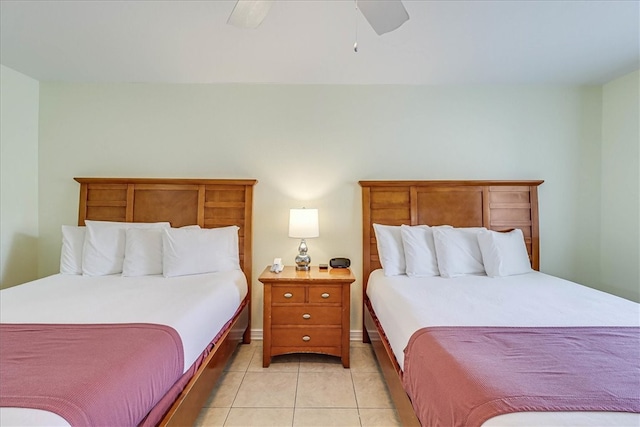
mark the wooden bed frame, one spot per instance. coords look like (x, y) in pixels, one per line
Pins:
(206, 202)
(496, 205)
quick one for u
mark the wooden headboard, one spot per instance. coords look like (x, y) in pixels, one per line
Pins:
(496, 205)
(206, 202)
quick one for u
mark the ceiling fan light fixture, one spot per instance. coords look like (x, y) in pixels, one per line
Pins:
(249, 13)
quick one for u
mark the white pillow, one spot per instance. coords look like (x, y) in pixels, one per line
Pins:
(143, 252)
(457, 251)
(71, 253)
(196, 251)
(419, 251)
(104, 245)
(390, 249)
(504, 254)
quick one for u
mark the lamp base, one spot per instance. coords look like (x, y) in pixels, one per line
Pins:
(302, 259)
(302, 262)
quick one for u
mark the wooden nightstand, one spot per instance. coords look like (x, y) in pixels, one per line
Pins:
(306, 312)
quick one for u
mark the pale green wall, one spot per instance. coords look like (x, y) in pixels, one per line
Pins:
(309, 145)
(621, 187)
(18, 177)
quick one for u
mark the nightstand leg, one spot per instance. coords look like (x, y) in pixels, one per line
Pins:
(346, 333)
(266, 327)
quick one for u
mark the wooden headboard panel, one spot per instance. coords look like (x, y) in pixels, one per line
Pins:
(496, 205)
(206, 202)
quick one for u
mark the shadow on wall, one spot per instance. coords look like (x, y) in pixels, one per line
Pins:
(20, 262)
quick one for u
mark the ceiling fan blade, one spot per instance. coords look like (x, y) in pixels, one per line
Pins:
(249, 13)
(383, 15)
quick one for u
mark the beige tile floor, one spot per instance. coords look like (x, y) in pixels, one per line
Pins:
(300, 390)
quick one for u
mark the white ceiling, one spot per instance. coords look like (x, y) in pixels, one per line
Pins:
(306, 41)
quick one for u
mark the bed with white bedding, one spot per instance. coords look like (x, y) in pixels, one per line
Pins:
(196, 306)
(412, 293)
(534, 299)
(189, 287)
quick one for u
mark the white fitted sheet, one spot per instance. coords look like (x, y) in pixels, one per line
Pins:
(404, 304)
(196, 306)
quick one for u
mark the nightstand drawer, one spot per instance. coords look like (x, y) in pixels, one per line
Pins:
(306, 337)
(325, 294)
(306, 315)
(287, 294)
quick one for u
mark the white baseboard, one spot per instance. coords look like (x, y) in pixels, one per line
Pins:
(354, 335)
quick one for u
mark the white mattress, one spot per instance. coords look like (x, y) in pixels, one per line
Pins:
(197, 307)
(403, 305)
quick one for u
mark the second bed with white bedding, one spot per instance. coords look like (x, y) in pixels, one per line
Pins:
(403, 305)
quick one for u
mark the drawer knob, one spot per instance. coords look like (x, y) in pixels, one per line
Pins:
(306, 316)
(325, 295)
(306, 338)
(288, 295)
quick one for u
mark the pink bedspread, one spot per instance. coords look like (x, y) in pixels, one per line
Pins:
(462, 376)
(91, 375)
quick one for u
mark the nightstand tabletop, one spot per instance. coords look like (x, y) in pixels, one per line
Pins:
(314, 275)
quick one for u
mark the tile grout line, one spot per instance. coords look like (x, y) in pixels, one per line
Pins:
(355, 395)
(295, 395)
(235, 396)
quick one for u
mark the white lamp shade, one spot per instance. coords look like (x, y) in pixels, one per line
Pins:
(303, 223)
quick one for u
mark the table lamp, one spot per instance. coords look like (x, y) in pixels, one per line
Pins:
(303, 224)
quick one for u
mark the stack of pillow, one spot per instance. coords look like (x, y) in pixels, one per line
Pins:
(139, 249)
(424, 251)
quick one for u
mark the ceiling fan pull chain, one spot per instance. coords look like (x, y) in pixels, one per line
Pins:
(355, 45)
